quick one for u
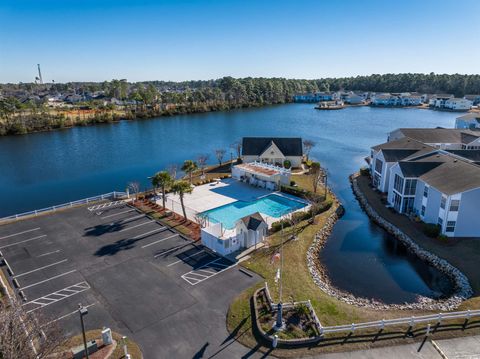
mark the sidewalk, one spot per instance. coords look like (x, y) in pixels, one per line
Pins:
(464, 348)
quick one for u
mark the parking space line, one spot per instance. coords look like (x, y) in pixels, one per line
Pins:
(81, 287)
(16, 234)
(161, 229)
(34, 270)
(67, 315)
(190, 276)
(118, 213)
(160, 240)
(131, 218)
(46, 254)
(171, 250)
(49, 279)
(24, 241)
(137, 225)
(187, 257)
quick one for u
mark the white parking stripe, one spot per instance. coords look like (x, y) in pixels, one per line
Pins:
(190, 276)
(46, 280)
(49, 265)
(116, 214)
(80, 287)
(170, 250)
(46, 254)
(160, 240)
(161, 229)
(24, 241)
(138, 225)
(187, 257)
(67, 315)
(129, 219)
(16, 234)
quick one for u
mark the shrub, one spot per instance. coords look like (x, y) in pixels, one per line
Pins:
(292, 183)
(365, 171)
(431, 230)
(287, 164)
(277, 226)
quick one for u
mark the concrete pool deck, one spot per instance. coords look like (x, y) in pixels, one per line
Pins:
(213, 195)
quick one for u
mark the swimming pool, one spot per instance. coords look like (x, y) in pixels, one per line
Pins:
(271, 205)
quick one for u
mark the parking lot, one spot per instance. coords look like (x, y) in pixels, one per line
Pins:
(135, 275)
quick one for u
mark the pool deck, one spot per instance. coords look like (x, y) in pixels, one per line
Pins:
(213, 195)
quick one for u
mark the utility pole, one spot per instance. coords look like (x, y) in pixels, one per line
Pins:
(279, 324)
(39, 75)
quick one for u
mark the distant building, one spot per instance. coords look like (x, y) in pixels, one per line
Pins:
(474, 98)
(458, 104)
(438, 101)
(273, 150)
(468, 121)
(354, 99)
(315, 97)
(397, 99)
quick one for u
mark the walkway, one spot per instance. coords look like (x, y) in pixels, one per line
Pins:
(461, 253)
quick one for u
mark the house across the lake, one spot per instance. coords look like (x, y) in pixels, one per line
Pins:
(273, 150)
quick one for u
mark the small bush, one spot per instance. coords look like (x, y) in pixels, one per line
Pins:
(431, 230)
(292, 183)
(365, 171)
(287, 164)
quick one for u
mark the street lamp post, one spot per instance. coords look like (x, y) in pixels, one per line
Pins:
(279, 323)
(83, 311)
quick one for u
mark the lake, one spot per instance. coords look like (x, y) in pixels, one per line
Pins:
(43, 169)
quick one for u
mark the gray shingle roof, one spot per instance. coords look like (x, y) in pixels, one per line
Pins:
(395, 155)
(255, 146)
(403, 144)
(253, 221)
(444, 172)
(440, 135)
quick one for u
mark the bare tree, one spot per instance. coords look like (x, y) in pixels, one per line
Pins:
(220, 153)
(237, 146)
(27, 335)
(134, 187)
(172, 170)
(202, 162)
(295, 218)
(316, 175)
(307, 147)
(201, 220)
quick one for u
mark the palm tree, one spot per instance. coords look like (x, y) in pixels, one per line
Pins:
(189, 167)
(181, 187)
(163, 180)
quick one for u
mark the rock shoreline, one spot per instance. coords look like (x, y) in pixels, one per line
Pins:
(462, 291)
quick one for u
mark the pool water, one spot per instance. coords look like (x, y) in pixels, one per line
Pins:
(271, 205)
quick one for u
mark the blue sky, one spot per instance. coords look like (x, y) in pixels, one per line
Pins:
(181, 40)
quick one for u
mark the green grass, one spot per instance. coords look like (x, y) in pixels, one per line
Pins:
(298, 286)
(133, 348)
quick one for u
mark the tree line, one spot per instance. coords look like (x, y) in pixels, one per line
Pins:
(163, 98)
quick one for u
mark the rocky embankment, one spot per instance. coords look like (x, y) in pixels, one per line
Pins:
(462, 291)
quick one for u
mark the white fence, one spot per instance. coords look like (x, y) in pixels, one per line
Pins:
(410, 321)
(381, 324)
(110, 195)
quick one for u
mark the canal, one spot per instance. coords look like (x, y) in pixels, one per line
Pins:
(42, 169)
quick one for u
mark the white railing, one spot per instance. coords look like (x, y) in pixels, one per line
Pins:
(410, 321)
(282, 170)
(381, 324)
(36, 212)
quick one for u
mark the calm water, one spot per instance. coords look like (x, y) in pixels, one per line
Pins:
(43, 169)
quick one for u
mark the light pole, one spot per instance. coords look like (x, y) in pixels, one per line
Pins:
(279, 324)
(325, 182)
(83, 311)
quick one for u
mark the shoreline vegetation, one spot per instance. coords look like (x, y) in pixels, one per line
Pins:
(302, 282)
(31, 107)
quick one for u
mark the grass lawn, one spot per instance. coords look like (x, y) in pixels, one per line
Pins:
(297, 286)
(133, 348)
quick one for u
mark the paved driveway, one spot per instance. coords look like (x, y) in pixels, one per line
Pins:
(135, 275)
